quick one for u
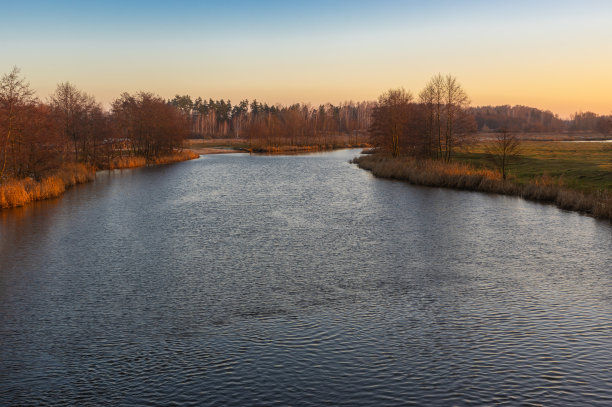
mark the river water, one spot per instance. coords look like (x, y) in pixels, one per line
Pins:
(300, 280)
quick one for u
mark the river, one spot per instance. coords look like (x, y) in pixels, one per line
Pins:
(300, 280)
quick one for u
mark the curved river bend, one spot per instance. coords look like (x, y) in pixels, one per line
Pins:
(300, 280)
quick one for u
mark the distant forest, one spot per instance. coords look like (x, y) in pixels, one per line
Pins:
(531, 120)
(220, 119)
(262, 124)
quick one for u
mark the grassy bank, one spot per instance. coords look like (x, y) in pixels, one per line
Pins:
(585, 166)
(19, 192)
(466, 176)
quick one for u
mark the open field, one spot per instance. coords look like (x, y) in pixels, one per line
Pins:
(553, 136)
(586, 166)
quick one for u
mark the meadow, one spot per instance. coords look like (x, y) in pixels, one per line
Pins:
(584, 166)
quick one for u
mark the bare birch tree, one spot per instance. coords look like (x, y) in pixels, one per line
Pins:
(455, 100)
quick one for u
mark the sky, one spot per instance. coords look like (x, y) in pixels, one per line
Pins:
(554, 55)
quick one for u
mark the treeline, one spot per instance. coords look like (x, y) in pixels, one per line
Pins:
(300, 126)
(516, 119)
(274, 126)
(589, 121)
(430, 126)
(523, 119)
(38, 137)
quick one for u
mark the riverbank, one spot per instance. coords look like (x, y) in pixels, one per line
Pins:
(304, 149)
(467, 177)
(216, 146)
(14, 193)
(238, 145)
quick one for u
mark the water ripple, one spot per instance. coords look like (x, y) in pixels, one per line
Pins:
(244, 280)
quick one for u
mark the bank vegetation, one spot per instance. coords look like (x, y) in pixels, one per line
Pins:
(46, 147)
(424, 139)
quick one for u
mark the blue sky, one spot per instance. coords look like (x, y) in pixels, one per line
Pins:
(554, 55)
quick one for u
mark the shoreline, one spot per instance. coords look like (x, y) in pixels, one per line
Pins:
(464, 177)
(16, 193)
(294, 150)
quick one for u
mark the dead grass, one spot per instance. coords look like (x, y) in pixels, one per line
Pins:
(19, 192)
(127, 162)
(183, 155)
(15, 193)
(138, 161)
(464, 176)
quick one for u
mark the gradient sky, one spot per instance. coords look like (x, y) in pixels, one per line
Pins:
(554, 55)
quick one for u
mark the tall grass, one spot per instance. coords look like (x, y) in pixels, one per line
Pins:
(463, 176)
(139, 161)
(126, 162)
(177, 156)
(19, 192)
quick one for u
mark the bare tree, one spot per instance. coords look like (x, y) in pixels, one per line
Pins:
(148, 124)
(456, 100)
(73, 109)
(16, 98)
(432, 97)
(504, 151)
(431, 113)
(390, 119)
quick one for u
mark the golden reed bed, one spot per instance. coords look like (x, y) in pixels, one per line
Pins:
(15, 193)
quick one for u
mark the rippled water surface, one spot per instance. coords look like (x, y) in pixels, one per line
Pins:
(301, 280)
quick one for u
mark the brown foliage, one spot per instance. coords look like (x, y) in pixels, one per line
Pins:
(149, 126)
(434, 127)
(301, 128)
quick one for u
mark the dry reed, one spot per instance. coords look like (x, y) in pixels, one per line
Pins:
(462, 176)
(126, 162)
(19, 192)
(177, 156)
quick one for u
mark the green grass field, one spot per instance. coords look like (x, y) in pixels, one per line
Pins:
(586, 166)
